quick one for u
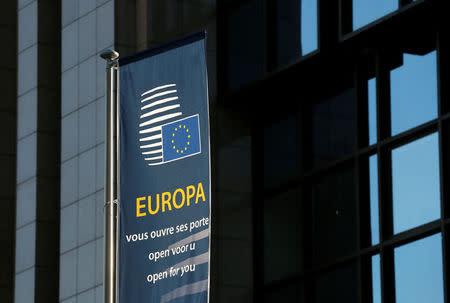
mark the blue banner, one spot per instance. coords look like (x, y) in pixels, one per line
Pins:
(164, 193)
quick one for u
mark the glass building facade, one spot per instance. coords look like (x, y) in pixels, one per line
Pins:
(330, 145)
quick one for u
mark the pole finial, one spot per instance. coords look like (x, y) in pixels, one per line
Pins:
(109, 54)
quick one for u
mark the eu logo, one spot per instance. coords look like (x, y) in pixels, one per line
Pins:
(181, 139)
(161, 141)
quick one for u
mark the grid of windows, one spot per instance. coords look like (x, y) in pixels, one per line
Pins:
(363, 217)
(403, 169)
(351, 178)
(262, 36)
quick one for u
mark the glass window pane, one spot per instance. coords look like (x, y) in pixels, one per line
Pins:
(288, 31)
(287, 292)
(415, 183)
(334, 216)
(296, 29)
(309, 26)
(333, 127)
(245, 41)
(376, 279)
(339, 285)
(372, 99)
(281, 151)
(413, 92)
(367, 11)
(418, 271)
(373, 176)
(282, 236)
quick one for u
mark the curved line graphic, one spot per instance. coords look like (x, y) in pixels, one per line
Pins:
(159, 102)
(159, 119)
(157, 88)
(159, 110)
(151, 138)
(151, 145)
(158, 95)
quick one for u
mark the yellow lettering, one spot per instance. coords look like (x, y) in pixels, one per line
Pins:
(200, 193)
(152, 212)
(190, 193)
(139, 206)
(183, 195)
(165, 200)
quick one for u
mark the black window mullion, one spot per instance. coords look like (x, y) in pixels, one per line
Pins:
(306, 160)
(362, 105)
(257, 144)
(362, 183)
(270, 43)
(445, 254)
(222, 46)
(385, 178)
(443, 47)
(361, 133)
(328, 23)
(386, 225)
(443, 70)
(309, 295)
(404, 2)
(383, 91)
(366, 279)
(345, 17)
(363, 203)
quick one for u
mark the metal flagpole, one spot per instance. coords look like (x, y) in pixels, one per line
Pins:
(111, 199)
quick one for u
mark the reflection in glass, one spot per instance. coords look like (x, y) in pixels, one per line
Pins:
(373, 176)
(415, 183)
(372, 99)
(281, 152)
(245, 42)
(309, 26)
(339, 285)
(296, 29)
(367, 11)
(418, 271)
(376, 279)
(288, 30)
(282, 236)
(334, 216)
(413, 92)
(333, 127)
(288, 292)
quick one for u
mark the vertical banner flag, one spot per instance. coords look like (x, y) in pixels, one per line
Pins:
(164, 174)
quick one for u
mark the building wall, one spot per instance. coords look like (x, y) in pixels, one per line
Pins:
(37, 170)
(87, 28)
(8, 117)
(60, 142)
(292, 184)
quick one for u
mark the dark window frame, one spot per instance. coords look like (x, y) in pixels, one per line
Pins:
(375, 50)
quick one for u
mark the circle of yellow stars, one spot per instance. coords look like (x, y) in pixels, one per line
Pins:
(181, 128)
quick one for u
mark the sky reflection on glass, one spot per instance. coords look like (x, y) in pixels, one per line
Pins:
(373, 176)
(415, 168)
(309, 26)
(413, 92)
(376, 279)
(367, 11)
(415, 183)
(372, 99)
(418, 271)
